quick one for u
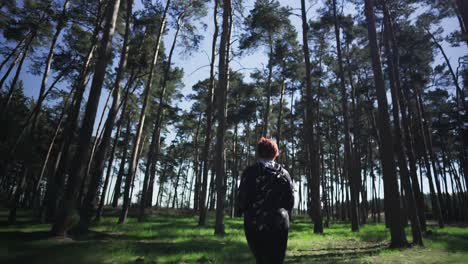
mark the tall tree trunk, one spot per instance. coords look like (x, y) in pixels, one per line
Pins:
(397, 232)
(97, 165)
(221, 94)
(209, 119)
(196, 165)
(399, 147)
(406, 126)
(146, 95)
(428, 135)
(234, 171)
(114, 148)
(49, 150)
(309, 135)
(435, 199)
(60, 171)
(97, 139)
(63, 221)
(348, 160)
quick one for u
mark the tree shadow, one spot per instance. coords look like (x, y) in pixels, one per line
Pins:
(24, 236)
(451, 242)
(210, 249)
(99, 247)
(337, 254)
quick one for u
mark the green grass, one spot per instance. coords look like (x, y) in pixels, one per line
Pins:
(166, 238)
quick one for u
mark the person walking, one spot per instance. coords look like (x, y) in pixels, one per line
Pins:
(265, 198)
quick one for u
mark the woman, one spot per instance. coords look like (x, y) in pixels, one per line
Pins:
(265, 197)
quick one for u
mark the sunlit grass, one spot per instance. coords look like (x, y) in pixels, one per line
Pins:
(173, 238)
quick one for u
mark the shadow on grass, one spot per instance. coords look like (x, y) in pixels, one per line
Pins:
(24, 236)
(34, 247)
(54, 251)
(338, 254)
(451, 242)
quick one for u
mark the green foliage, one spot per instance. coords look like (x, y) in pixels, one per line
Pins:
(267, 21)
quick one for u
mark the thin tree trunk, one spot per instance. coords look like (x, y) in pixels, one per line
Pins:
(209, 119)
(280, 115)
(309, 135)
(155, 138)
(146, 95)
(221, 94)
(269, 87)
(196, 167)
(435, 201)
(52, 142)
(234, 170)
(112, 155)
(176, 184)
(120, 174)
(352, 177)
(45, 163)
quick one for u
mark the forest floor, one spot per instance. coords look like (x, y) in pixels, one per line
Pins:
(168, 238)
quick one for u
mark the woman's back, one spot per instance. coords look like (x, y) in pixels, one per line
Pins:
(265, 196)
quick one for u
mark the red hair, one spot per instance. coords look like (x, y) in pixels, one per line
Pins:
(267, 148)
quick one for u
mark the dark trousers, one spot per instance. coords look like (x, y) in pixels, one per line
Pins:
(268, 247)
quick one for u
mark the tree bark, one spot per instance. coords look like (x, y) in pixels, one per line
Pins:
(348, 160)
(397, 232)
(413, 210)
(209, 120)
(309, 135)
(221, 94)
(196, 166)
(97, 165)
(63, 221)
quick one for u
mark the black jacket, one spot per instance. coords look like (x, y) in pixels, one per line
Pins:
(264, 193)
